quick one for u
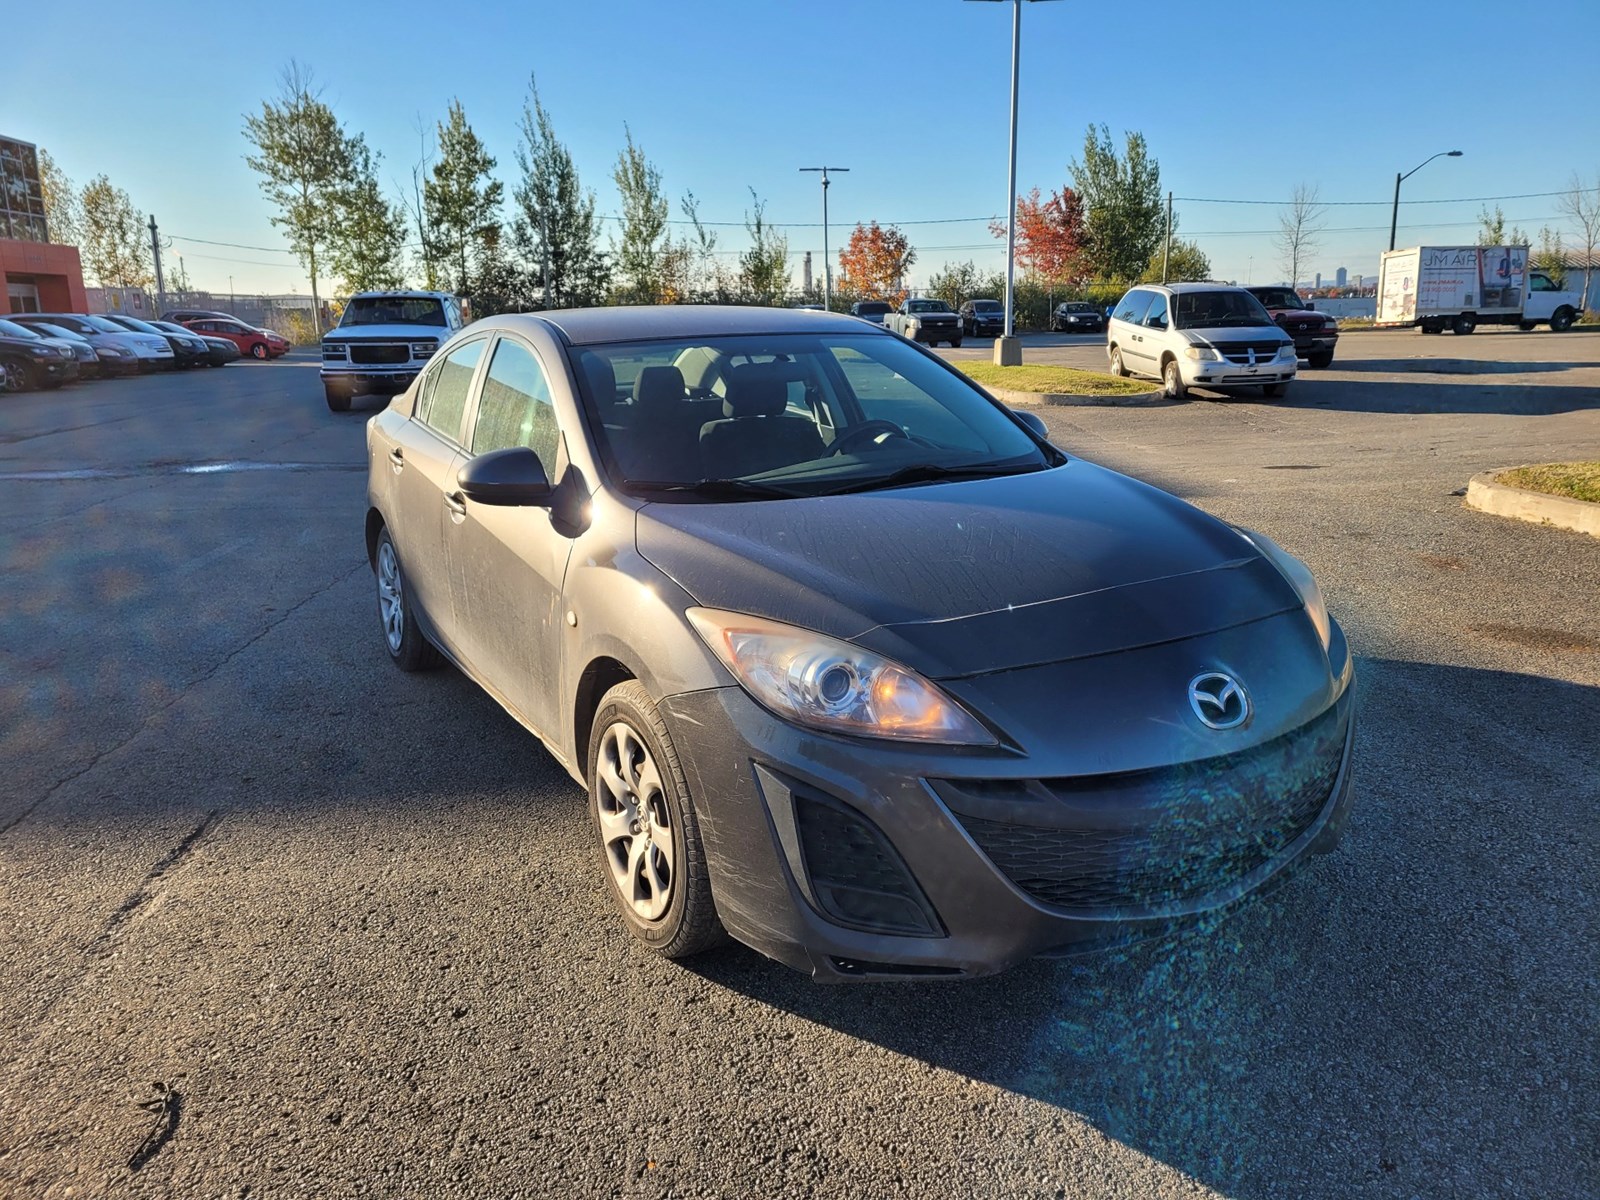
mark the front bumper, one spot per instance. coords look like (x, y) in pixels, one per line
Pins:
(988, 328)
(929, 334)
(366, 381)
(1224, 374)
(758, 783)
(1307, 344)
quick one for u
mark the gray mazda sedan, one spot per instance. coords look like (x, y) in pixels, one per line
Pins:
(854, 664)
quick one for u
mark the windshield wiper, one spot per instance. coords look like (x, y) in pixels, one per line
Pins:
(715, 489)
(931, 473)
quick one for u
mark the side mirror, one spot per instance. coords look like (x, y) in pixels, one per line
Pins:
(506, 478)
(1311, 304)
(1033, 421)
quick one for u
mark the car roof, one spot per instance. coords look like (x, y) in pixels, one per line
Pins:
(637, 323)
(402, 294)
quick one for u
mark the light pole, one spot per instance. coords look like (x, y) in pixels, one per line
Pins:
(1007, 351)
(827, 263)
(1394, 217)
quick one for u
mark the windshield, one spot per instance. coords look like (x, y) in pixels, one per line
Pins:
(12, 329)
(1078, 308)
(987, 306)
(927, 306)
(871, 307)
(1216, 310)
(790, 415)
(1279, 298)
(141, 326)
(393, 310)
(56, 331)
(103, 325)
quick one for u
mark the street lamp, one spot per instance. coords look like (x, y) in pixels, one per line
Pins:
(827, 264)
(1394, 217)
(1006, 350)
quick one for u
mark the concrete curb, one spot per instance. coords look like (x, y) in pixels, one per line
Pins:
(1503, 500)
(1010, 397)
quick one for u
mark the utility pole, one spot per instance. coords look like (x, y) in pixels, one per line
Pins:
(827, 263)
(155, 250)
(1166, 246)
(232, 308)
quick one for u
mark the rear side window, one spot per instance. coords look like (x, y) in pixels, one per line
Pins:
(444, 399)
(1133, 306)
(515, 408)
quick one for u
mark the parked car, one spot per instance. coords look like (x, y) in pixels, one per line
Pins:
(151, 352)
(220, 351)
(928, 321)
(1205, 334)
(188, 350)
(91, 365)
(33, 361)
(871, 310)
(1075, 316)
(854, 664)
(983, 318)
(103, 360)
(382, 341)
(179, 316)
(70, 346)
(204, 354)
(257, 343)
(1315, 334)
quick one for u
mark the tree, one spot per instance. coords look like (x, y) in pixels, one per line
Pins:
(461, 201)
(1050, 236)
(1492, 230)
(1123, 215)
(703, 274)
(1550, 257)
(875, 261)
(1581, 202)
(764, 268)
(1186, 263)
(365, 250)
(555, 227)
(112, 238)
(639, 254)
(500, 283)
(1299, 230)
(956, 282)
(62, 210)
(307, 163)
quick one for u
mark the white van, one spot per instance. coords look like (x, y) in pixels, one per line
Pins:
(1206, 335)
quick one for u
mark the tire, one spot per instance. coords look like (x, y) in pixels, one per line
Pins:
(17, 377)
(402, 637)
(1561, 320)
(1525, 326)
(955, 343)
(338, 399)
(1172, 385)
(1274, 391)
(650, 849)
(219, 364)
(1321, 362)
(1117, 369)
(1462, 324)
(259, 352)
(1428, 327)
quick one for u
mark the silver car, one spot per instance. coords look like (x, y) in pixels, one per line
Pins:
(854, 665)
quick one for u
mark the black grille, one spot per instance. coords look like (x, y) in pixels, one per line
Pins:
(379, 353)
(1239, 352)
(1152, 838)
(856, 875)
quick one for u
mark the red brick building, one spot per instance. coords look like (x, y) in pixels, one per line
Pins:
(39, 276)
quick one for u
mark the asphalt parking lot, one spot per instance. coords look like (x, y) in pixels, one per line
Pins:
(282, 921)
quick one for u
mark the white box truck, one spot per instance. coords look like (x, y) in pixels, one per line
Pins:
(1461, 287)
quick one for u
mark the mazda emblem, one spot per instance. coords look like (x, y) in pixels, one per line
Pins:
(1219, 700)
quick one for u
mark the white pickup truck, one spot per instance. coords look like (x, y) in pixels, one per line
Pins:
(928, 321)
(1461, 287)
(383, 341)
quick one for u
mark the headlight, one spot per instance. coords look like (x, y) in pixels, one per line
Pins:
(1202, 354)
(1299, 575)
(830, 685)
(1286, 351)
(42, 351)
(423, 349)
(112, 351)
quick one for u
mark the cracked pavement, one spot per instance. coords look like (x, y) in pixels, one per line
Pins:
(281, 921)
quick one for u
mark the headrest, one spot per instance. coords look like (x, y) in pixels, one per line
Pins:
(602, 381)
(658, 385)
(756, 390)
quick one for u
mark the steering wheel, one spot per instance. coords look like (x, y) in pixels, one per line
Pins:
(867, 431)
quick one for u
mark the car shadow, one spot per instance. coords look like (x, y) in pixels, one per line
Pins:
(1445, 394)
(1455, 366)
(1357, 1023)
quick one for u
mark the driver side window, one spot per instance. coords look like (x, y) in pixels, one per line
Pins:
(1157, 318)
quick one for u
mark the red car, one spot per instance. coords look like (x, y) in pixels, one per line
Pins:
(1315, 334)
(257, 343)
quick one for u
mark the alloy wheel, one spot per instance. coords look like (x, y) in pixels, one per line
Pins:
(636, 827)
(391, 597)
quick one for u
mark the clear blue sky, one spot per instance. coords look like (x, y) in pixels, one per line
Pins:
(1241, 101)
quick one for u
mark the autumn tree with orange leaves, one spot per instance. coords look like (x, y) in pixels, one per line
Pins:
(1050, 236)
(874, 262)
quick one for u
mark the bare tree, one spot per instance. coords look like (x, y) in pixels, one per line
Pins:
(1582, 204)
(1299, 230)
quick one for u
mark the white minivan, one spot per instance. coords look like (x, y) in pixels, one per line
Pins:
(1207, 335)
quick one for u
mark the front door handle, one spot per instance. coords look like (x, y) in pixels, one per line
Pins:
(456, 503)
(397, 459)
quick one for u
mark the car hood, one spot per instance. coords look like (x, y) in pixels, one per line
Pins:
(387, 333)
(1237, 333)
(966, 578)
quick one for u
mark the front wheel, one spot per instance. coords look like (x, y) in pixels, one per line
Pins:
(649, 837)
(1117, 367)
(17, 377)
(955, 343)
(259, 351)
(401, 635)
(1561, 320)
(338, 398)
(1172, 385)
